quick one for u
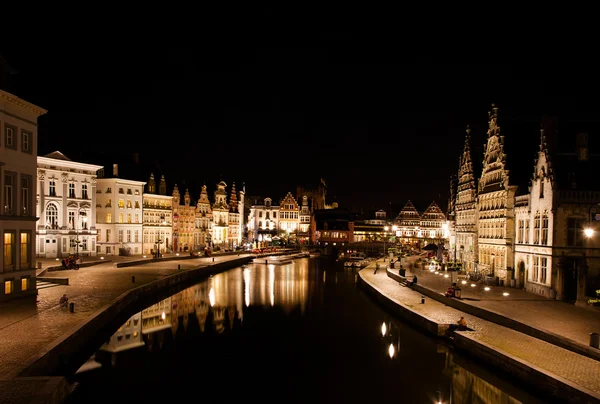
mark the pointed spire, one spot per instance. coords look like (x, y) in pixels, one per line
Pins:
(162, 187)
(233, 198)
(176, 195)
(493, 128)
(151, 186)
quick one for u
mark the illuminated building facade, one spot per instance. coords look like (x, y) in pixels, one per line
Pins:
(119, 214)
(157, 217)
(203, 225)
(184, 219)
(495, 206)
(18, 165)
(66, 206)
(465, 208)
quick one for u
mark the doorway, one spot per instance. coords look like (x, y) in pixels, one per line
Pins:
(521, 275)
(570, 280)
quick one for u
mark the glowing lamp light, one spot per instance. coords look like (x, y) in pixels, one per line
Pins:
(57, 259)
(487, 289)
(588, 232)
(473, 285)
(383, 329)
(446, 276)
(163, 315)
(391, 350)
(505, 294)
(144, 256)
(101, 258)
(464, 282)
(177, 254)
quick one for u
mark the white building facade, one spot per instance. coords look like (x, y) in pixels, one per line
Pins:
(66, 207)
(119, 218)
(263, 222)
(18, 166)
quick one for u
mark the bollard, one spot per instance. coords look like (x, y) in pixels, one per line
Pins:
(133, 279)
(72, 307)
(213, 259)
(422, 299)
(179, 266)
(595, 340)
(266, 261)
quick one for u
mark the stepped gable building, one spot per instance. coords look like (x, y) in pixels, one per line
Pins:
(157, 222)
(66, 207)
(432, 224)
(289, 217)
(203, 232)
(227, 230)
(554, 257)
(465, 208)
(184, 221)
(496, 196)
(304, 222)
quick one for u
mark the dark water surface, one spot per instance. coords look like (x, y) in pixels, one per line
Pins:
(296, 333)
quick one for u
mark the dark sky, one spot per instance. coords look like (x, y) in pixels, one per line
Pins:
(379, 127)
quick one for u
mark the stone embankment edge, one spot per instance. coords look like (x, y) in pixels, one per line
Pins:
(542, 380)
(552, 384)
(425, 323)
(499, 319)
(56, 355)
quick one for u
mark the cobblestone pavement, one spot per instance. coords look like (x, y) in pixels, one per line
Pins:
(576, 368)
(564, 319)
(27, 327)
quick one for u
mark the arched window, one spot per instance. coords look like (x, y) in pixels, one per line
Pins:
(52, 216)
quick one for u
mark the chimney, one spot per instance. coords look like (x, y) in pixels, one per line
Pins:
(115, 170)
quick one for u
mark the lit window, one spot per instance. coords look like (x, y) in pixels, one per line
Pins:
(24, 284)
(8, 287)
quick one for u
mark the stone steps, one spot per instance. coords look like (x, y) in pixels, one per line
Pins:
(44, 285)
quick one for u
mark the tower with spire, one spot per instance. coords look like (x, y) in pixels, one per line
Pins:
(495, 207)
(220, 210)
(465, 208)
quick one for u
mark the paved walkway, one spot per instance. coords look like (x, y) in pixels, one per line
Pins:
(573, 367)
(27, 327)
(564, 319)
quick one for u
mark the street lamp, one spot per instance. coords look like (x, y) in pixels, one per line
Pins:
(84, 226)
(589, 231)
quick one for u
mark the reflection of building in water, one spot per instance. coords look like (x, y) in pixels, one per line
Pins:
(225, 298)
(157, 317)
(128, 336)
(281, 285)
(469, 388)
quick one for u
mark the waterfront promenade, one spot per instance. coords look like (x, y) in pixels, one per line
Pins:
(567, 374)
(28, 329)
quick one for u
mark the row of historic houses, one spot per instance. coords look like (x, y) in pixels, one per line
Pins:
(545, 238)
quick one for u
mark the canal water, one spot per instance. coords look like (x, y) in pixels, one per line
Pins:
(303, 332)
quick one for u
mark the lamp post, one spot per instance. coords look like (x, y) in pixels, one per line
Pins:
(493, 263)
(84, 226)
(589, 230)
(158, 243)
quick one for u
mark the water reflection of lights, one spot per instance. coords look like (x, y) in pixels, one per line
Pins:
(392, 351)
(211, 297)
(383, 329)
(272, 283)
(247, 286)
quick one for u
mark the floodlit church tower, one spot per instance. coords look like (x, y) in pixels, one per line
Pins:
(466, 210)
(496, 207)
(220, 211)
(203, 230)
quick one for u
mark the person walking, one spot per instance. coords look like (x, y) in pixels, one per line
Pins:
(64, 301)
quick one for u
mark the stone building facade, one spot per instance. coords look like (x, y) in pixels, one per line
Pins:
(465, 208)
(203, 230)
(157, 217)
(495, 206)
(184, 219)
(18, 166)
(66, 207)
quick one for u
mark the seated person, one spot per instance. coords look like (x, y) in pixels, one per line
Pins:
(461, 325)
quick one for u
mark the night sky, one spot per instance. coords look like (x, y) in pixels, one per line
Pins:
(279, 112)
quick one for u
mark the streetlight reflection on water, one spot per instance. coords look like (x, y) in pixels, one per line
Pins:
(393, 337)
